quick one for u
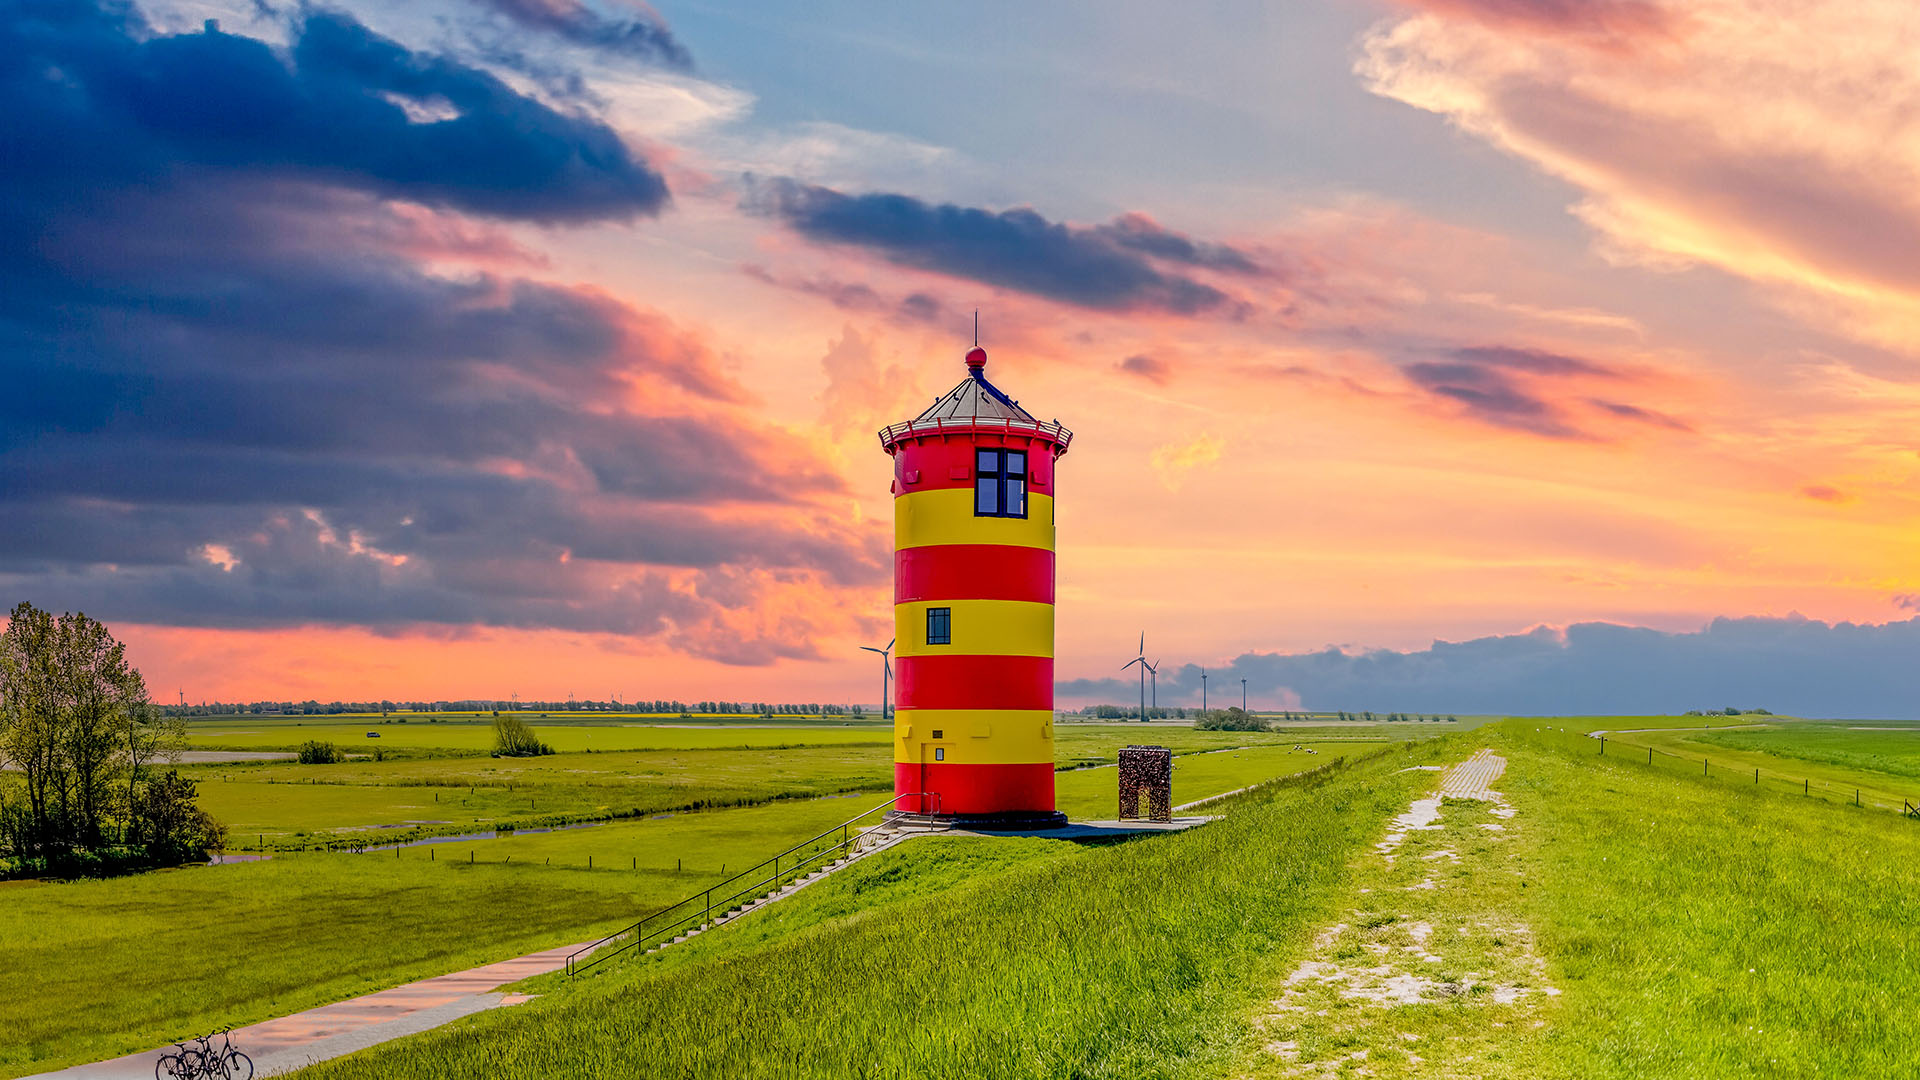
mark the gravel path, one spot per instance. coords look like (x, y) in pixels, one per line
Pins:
(329, 1031)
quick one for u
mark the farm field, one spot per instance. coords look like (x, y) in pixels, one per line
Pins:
(1879, 760)
(1094, 793)
(474, 735)
(288, 805)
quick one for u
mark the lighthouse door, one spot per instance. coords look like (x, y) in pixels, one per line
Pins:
(931, 754)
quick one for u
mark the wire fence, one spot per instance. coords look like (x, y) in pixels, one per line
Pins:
(1828, 790)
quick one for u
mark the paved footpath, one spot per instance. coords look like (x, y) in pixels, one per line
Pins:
(330, 1031)
(1469, 779)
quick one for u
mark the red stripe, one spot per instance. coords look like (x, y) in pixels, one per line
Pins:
(928, 464)
(974, 682)
(973, 572)
(976, 789)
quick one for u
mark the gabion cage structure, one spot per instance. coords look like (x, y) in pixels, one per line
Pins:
(1146, 770)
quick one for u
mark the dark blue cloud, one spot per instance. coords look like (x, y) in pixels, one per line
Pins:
(233, 398)
(1492, 396)
(1114, 267)
(94, 97)
(1791, 665)
(1515, 388)
(641, 35)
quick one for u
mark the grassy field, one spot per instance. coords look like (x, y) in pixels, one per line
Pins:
(1608, 919)
(1878, 763)
(1624, 921)
(101, 968)
(1758, 932)
(136, 961)
(149, 959)
(287, 805)
(474, 735)
(1094, 793)
(996, 974)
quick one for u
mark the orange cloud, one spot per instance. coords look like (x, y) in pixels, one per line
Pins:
(1772, 141)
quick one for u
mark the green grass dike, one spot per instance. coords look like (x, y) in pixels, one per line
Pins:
(958, 957)
(1611, 919)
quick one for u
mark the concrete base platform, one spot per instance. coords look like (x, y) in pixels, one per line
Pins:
(1093, 830)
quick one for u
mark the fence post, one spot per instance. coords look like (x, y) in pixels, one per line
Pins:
(1703, 766)
(1756, 776)
(1603, 746)
(589, 862)
(1804, 787)
(469, 856)
(1856, 796)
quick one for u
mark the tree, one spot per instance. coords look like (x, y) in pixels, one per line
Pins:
(1230, 719)
(513, 738)
(170, 826)
(76, 724)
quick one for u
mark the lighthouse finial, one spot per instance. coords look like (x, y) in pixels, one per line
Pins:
(976, 356)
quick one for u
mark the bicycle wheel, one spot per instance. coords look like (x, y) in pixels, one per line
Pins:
(192, 1065)
(167, 1067)
(238, 1066)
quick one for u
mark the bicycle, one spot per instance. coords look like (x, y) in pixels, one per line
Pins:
(227, 1063)
(184, 1065)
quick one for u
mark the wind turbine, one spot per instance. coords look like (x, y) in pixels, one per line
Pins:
(1144, 668)
(1203, 689)
(1153, 678)
(886, 676)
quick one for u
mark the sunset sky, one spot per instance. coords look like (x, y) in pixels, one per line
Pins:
(452, 349)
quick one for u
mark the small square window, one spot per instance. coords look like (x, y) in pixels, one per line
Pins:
(937, 733)
(939, 626)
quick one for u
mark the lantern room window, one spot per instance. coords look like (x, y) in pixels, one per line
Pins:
(1000, 483)
(939, 626)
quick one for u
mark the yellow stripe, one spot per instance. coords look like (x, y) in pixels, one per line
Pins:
(973, 736)
(977, 628)
(945, 516)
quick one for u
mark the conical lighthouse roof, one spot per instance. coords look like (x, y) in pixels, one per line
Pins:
(975, 399)
(975, 406)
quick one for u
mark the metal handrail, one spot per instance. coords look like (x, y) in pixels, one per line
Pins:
(941, 425)
(703, 913)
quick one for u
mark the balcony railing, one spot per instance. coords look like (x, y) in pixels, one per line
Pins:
(970, 425)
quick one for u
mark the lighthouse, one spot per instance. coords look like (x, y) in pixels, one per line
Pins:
(973, 563)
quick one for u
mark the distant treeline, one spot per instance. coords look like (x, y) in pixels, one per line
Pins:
(488, 705)
(1132, 712)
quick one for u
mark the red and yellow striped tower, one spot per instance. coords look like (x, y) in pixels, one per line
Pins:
(973, 605)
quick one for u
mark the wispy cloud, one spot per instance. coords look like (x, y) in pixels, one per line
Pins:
(1175, 460)
(638, 31)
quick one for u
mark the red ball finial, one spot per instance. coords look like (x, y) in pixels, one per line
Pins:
(976, 358)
